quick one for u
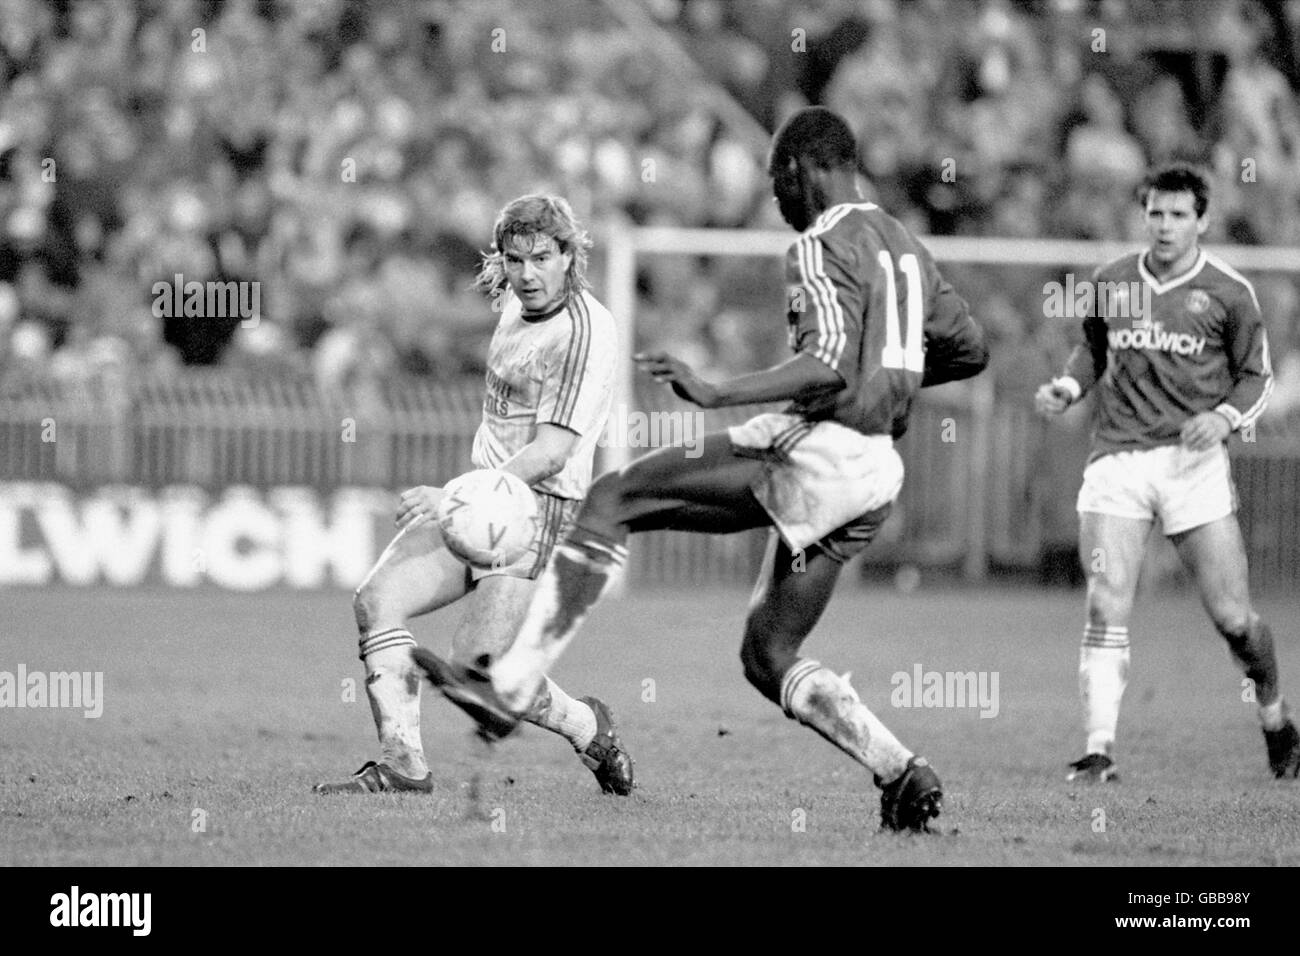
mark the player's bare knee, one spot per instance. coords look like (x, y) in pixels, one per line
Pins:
(759, 672)
(366, 605)
(1110, 603)
(763, 665)
(1231, 618)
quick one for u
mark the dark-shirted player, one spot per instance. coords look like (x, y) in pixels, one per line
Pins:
(871, 322)
(1177, 350)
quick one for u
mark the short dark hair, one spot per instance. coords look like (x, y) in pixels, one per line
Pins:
(817, 134)
(1177, 178)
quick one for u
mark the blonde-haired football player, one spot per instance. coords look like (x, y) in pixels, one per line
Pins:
(549, 385)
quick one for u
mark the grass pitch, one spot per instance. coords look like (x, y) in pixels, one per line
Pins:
(222, 710)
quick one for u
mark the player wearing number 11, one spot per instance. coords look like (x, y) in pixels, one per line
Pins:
(871, 322)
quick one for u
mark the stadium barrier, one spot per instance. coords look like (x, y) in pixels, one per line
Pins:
(251, 482)
(154, 442)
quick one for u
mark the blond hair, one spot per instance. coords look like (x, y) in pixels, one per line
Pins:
(529, 217)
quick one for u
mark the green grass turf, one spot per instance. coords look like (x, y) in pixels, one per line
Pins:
(232, 705)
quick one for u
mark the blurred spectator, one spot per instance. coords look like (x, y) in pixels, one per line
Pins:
(350, 156)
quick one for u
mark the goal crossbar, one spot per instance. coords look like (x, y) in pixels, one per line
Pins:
(972, 249)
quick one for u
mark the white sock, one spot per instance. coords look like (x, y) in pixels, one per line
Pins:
(393, 686)
(817, 698)
(558, 712)
(580, 571)
(1273, 716)
(1103, 675)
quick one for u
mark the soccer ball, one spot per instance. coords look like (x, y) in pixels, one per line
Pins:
(488, 518)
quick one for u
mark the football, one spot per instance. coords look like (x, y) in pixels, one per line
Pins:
(488, 518)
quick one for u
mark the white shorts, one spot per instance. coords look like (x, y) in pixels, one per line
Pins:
(820, 477)
(1184, 489)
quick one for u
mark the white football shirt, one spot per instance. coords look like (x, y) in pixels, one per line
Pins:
(555, 368)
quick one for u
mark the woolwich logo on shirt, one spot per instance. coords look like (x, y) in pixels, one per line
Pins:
(1198, 300)
(1154, 336)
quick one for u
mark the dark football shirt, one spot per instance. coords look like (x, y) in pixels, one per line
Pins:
(866, 298)
(1163, 352)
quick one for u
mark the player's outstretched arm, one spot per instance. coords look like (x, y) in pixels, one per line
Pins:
(799, 377)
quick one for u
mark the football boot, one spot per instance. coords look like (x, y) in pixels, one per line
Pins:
(605, 756)
(908, 804)
(378, 778)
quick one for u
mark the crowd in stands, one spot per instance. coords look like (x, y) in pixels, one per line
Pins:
(350, 157)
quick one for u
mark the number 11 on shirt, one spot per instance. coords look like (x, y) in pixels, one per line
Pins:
(898, 352)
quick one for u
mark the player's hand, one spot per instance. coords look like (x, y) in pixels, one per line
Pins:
(417, 502)
(685, 383)
(1204, 431)
(1052, 399)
